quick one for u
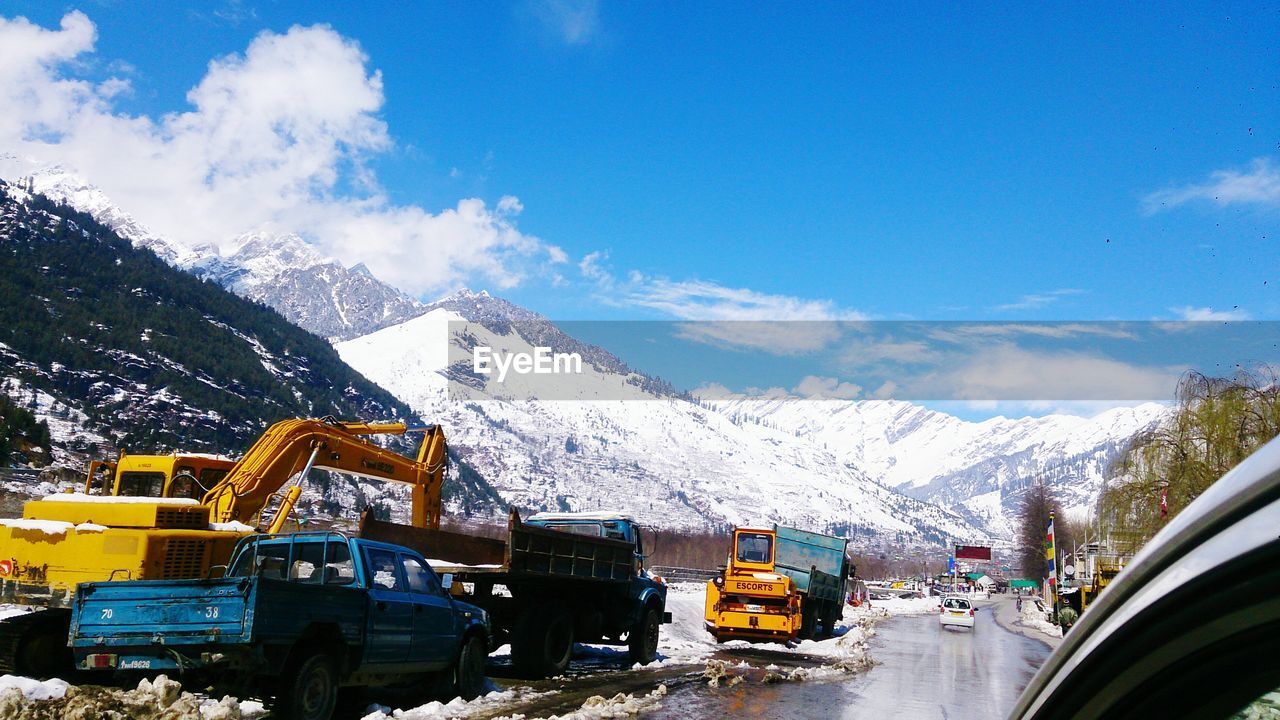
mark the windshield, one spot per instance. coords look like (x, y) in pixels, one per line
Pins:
(142, 484)
(272, 560)
(755, 547)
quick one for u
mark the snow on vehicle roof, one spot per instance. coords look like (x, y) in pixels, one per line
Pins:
(553, 517)
(451, 565)
(48, 527)
(117, 499)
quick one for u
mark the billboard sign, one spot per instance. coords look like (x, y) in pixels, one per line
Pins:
(973, 552)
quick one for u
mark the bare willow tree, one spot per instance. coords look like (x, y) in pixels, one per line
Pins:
(1217, 423)
(1037, 503)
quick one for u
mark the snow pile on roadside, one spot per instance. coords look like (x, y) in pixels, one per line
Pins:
(34, 689)
(159, 699)
(1033, 617)
(902, 606)
(598, 707)
(455, 708)
(847, 651)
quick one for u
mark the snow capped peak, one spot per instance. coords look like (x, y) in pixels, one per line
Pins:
(62, 185)
(267, 254)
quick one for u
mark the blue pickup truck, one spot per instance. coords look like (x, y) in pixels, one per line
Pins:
(295, 617)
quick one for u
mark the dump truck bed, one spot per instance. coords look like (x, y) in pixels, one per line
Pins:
(814, 562)
(143, 618)
(531, 552)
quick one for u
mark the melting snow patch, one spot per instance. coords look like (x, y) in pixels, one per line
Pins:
(1034, 618)
(160, 699)
(87, 527)
(48, 527)
(34, 689)
(232, 526)
(117, 499)
(455, 708)
(618, 706)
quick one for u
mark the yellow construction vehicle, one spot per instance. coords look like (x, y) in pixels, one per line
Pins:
(168, 476)
(780, 583)
(66, 539)
(749, 601)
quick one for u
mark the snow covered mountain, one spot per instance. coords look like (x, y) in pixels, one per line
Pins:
(979, 469)
(824, 464)
(316, 293)
(281, 271)
(659, 455)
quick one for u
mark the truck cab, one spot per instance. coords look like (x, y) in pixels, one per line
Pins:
(614, 526)
(750, 601)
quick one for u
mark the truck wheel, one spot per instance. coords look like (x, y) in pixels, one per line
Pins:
(808, 619)
(829, 621)
(543, 642)
(308, 688)
(43, 652)
(642, 642)
(470, 669)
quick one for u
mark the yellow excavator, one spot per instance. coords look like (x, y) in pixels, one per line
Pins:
(167, 476)
(62, 540)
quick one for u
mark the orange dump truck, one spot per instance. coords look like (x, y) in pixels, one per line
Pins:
(779, 584)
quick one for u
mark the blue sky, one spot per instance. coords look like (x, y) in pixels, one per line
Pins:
(713, 160)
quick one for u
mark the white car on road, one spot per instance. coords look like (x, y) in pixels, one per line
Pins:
(956, 611)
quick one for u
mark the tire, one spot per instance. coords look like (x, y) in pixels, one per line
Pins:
(308, 687)
(542, 642)
(469, 671)
(829, 619)
(808, 619)
(642, 641)
(43, 652)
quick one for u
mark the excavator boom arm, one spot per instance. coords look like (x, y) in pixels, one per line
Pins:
(290, 445)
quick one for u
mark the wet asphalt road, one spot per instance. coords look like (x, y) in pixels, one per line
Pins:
(923, 672)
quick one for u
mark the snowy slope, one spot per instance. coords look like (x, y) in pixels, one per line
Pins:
(823, 464)
(982, 466)
(664, 458)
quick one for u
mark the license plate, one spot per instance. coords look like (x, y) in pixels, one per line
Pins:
(755, 608)
(955, 612)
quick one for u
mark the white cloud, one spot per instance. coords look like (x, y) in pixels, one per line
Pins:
(813, 386)
(575, 22)
(702, 300)
(740, 318)
(1196, 314)
(276, 139)
(965, 333)
(592, 268)
(557, 254)
(1259, 185)
(1007, 372)
(1039, 300)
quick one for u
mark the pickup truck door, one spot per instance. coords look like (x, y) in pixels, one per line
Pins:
(434, 632)
(390, 635)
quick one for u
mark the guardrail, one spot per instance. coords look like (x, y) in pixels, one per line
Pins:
(683, 574)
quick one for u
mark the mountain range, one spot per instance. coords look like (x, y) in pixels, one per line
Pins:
(878, 471)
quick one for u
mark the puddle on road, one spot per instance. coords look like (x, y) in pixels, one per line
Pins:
(741, 672)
